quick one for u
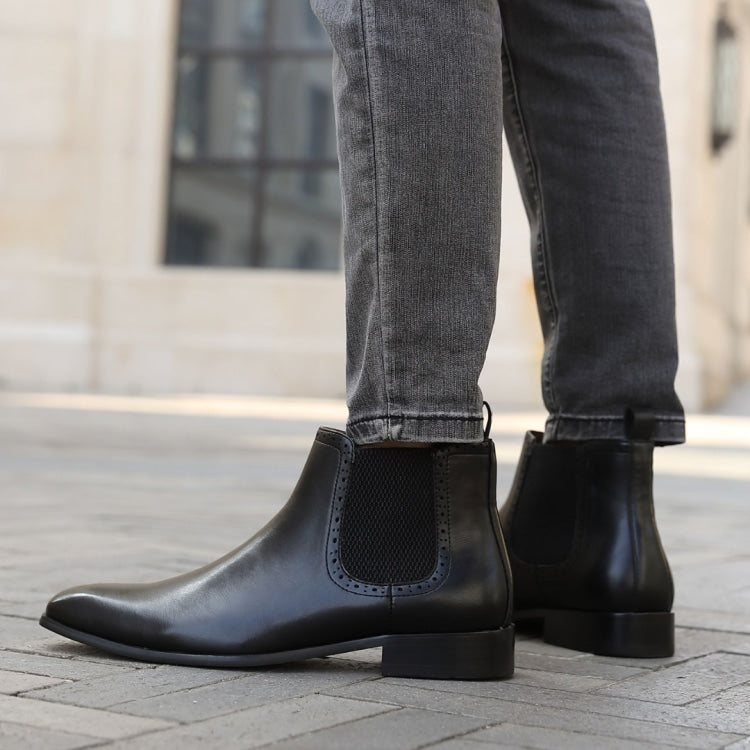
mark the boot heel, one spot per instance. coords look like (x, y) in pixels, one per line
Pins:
(629, 634)
(484, 655)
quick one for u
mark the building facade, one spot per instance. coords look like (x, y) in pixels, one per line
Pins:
(170, 216)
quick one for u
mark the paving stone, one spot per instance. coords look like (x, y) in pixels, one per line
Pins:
(495, 710)
(371, 656)
(581, 664)
(721, 586)
(686, 682)
(103, 692)
(24, 609)
(467, 743)
(74, 719)
(683, 557)
(530, 645)
(18, 682)
(571, 682)
(253, 689)
(689, 643)
(64, 668)
(739, 745)
(683, 716)
(20, 632)
(735, 622)
(403, 729)
(125, 496)
(556, 739)
(734, 700)
(262, 725)
(60, 648)
(17, 736)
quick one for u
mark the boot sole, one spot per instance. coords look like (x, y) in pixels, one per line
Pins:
(647, 635)
(481, 655)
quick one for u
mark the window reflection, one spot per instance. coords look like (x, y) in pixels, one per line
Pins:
(295, 25)
(300, 110)
(302, 230)
(254, 177)
(211, 220)
(218, 108)
(222, 22)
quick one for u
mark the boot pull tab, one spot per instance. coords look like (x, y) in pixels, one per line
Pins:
(488, 425)
(639, 425)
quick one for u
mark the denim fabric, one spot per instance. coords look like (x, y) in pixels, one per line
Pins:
(421, 90)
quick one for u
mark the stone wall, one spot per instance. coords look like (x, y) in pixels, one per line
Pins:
(86, 304)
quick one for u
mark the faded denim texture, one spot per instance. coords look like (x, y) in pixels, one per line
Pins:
(422, 89)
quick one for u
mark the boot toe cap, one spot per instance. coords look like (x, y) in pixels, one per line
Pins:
(98, 610)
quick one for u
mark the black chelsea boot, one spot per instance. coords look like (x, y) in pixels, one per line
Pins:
(392, 547)
(585, 552)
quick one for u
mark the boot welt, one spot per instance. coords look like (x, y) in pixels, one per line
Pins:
(480, 655)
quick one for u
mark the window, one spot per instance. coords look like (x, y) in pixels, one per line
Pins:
(254, 176)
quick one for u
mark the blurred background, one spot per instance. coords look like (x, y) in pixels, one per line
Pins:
(169, 202)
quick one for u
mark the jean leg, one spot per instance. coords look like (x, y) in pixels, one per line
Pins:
(584, 122)
(418, 99)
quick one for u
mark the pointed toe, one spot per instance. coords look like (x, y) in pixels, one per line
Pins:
(74, 608)
(94, 613)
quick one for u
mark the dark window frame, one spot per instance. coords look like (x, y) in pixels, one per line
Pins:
(264, 53)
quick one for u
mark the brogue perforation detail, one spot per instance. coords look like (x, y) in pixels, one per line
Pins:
(443, 524)
(336, 570)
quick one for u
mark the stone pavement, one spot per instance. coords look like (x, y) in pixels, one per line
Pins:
(96, 488)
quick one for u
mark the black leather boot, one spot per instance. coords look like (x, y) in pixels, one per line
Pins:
(585, 552)
(392, 547)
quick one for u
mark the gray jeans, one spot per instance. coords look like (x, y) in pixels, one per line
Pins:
(422, 90)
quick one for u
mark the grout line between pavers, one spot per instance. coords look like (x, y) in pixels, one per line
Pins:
(186, 691)
(28, 693)
(95, 741)
(137, 666)
(669, 665)
(538, 701)
(520, 722)
(717, 692)
(458, 735)
(13, 650)
(174, 692)
(714, 630)
(664, 667)
(19, 617)
(382, 702)
(403, 705)
(110, 707)
(446, 711)
(332, 726)
(107, 742)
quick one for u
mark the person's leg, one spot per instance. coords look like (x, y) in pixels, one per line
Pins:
(393, 546)
(418, 94)
(585, 126)
(584, 121)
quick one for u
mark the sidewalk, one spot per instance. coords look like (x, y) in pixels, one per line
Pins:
(100, 488)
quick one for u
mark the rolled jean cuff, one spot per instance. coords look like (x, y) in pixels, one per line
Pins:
(668, 430)
(422, 428)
